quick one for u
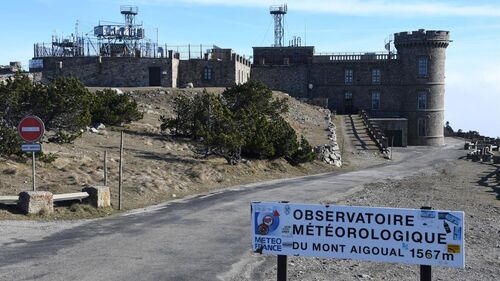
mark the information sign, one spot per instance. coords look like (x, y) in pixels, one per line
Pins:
(31, 147)
(411, 236)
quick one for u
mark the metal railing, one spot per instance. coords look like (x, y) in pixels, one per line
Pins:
(323, 57)
(375, 132)
(90, 48)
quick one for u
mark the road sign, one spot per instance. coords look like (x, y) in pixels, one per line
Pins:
(410, 236)
(31, 129)
(31, 147)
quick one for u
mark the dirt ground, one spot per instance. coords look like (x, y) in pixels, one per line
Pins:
(157, 167)
(456, 185)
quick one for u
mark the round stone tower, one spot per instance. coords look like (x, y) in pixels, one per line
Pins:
(422, 58)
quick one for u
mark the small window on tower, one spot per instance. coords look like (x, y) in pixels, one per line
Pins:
(207, 73)
(422, 67)
(375, 100)
(376, 76)
(348, 76)
(422, 100)
(422, 127)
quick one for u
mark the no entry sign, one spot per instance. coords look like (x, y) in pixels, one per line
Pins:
(31, 128)
(411, 236)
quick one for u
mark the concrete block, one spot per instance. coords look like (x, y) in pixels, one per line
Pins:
(487, 158)
(477, 158)
(36, 202)
(99, 196)
(496, 159)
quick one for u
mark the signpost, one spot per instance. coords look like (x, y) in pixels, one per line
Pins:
(410, 236)
(31, 130)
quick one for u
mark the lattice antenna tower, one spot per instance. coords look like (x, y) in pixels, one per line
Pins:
(129, 12)
(278, 13)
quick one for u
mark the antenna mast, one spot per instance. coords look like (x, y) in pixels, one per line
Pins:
(278, 13)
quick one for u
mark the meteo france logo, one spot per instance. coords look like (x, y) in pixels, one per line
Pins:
(267, 222)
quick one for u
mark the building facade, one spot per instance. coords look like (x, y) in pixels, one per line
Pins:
(407, 85)
(214, 70)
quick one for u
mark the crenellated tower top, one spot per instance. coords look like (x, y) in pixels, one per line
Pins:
(422, 38)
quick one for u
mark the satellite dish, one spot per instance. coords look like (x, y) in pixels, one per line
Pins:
(388, 42)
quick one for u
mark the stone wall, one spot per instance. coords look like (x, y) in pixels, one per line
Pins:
(242, 69)
(399, 87)
(330, 153)
(192, 71)
(282, 55)
(291, 79)
(389, 125)
(108, 71)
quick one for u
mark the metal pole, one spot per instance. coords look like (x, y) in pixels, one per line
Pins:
(281, 268)
(120, 173)
(105, 168)
(33, 172)
(425, 273)
(392, 145)
(426, 270)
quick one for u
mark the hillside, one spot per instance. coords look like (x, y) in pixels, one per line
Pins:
(157, 167)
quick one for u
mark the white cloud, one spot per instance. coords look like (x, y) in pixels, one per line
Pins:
(358, 7)
(472, 99)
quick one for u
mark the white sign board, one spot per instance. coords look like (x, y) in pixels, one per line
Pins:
(36, 64)
(411, 236)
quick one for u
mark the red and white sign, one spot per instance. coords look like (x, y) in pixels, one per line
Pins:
(31, 129)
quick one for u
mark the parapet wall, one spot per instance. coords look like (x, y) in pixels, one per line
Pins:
(436, 38)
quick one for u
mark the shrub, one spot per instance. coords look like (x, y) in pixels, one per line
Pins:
(65, 106)
(109, 107)
(47, 157)
(10, 142)
(303, 154)
(244, 121)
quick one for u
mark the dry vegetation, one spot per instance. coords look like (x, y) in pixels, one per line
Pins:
(157, 167)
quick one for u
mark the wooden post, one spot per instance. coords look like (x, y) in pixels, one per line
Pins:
(105, 168)
(120, 173)
(426, 270)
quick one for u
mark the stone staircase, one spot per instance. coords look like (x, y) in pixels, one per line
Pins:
(358, 134)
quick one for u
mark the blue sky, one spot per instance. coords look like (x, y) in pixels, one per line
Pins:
(473, 58)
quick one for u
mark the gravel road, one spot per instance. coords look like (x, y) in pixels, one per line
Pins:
(454, 185)
(207, 237)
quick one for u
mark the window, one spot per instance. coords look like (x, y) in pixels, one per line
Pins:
(207, 73)
(348, 76)
(422, 130)
(348, 96)
(422, 100)
(375, 76)
(375, 100)
(422, 67)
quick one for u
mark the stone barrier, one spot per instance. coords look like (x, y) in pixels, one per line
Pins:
(36, 202)
(496, 159)
(99, 196)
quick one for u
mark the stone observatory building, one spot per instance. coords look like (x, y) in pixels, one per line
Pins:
(121, 55)
(403, 91)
